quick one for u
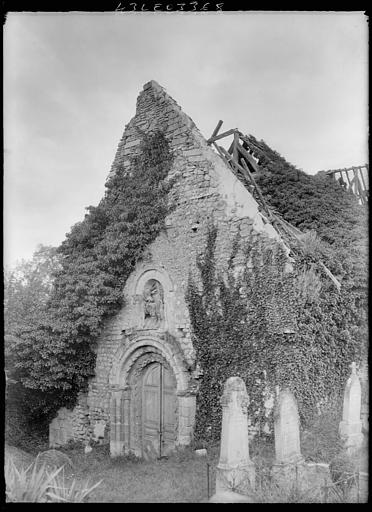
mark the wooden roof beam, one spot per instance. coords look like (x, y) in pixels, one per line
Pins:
(217, 129)
(221, 136)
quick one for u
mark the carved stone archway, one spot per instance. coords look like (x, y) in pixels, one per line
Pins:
(137, 353)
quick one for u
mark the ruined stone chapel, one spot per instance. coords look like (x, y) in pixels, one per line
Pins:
(142, 398)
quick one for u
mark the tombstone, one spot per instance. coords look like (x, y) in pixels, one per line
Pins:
(350, 428)
(287, 429)
(235, 470)
(288, 458)
(290, 471)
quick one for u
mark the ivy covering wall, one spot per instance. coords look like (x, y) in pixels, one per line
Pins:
(293, 329)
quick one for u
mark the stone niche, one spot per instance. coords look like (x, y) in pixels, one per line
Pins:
(152, 295)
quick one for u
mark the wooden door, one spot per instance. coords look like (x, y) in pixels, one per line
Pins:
(159, 404)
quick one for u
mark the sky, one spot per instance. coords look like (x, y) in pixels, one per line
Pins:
(299, 81)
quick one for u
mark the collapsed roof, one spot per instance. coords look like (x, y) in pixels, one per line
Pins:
(245, 157)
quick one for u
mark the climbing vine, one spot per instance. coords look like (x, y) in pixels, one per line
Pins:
(262, 326)
(56, 356)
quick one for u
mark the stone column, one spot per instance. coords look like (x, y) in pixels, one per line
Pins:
(116, 446)
(351, 426)
(125, 418)
(235, 470)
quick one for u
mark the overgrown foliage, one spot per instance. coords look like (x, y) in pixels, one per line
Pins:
(233, 318)
(264, 327)
(237, 333)
(55, 355)
(317, 204)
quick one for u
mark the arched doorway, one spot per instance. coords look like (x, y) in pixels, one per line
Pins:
(158, 411)
(152, 407)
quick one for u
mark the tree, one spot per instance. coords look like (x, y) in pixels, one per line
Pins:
(27, 288)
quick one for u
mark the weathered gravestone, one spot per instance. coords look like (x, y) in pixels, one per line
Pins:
(290, 469)
(235, 470)
(351, 426)
(287, 439)
(287, 429)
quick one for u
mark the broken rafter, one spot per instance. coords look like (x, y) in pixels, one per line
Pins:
(357, 185)
(348, 179)
(330, 275)
(284, 227)
(239, 159)
(333, 171)
(292, 228)
(356, 169)
(248, 157)
(235, 146)
(258, 190)
(217, 129)
(221, 136)
(254, 146)
(227, 158)
(248, 177)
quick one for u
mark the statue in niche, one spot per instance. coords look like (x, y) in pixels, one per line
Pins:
(153, 299)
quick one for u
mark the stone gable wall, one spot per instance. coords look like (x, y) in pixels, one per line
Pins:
(206, 192)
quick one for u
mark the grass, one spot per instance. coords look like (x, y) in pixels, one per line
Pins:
(183, 476)
(180, 478)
